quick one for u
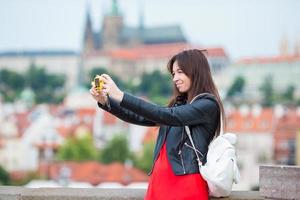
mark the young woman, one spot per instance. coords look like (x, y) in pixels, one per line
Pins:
(195, 103)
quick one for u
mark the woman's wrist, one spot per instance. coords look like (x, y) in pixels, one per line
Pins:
(119, 96)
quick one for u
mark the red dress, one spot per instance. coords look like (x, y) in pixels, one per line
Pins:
(165, 185)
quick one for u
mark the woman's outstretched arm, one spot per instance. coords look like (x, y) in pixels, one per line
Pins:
(113, 107)
(125, 114)
(200, 111)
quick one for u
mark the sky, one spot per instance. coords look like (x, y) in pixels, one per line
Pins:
(243, 28)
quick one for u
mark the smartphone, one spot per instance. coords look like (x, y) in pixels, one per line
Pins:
(98, 84)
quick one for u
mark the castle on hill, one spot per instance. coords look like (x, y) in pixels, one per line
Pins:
(125, 51)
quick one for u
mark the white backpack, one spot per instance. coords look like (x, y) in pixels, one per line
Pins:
(220, 170)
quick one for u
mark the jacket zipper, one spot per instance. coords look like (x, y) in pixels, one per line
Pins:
(199, 152)
(180, 154)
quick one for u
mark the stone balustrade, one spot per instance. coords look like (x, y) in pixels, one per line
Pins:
(275, 182)
(21, 193)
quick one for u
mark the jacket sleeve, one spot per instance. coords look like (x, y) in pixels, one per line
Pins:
(200, 111)
(125, 114)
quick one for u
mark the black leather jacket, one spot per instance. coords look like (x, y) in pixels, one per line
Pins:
(202, 116)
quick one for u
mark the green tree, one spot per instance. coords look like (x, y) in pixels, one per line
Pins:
(78, 149)
(267, 91)
(12, 79)
(132, 85)
(4, 176)
(97, 71)
(145, 161)
(36, 78)
(157, 86)
(237, 87)
(11, 84)
(289, 93)
(47, 87)
(155, 83)
(116, 150)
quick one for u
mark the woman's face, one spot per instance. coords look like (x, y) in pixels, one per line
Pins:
(180, 79)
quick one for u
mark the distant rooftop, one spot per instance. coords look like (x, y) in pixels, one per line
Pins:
(39, 53)
(269, 60)
(156, 51)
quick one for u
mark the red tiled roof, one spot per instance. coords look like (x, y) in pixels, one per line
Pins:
(86, 112)
(65, 131)
(238, 123)
(69, 131)
(156, 51)
(266, 60)
(96, 173)
(290, 121)
(22, 122)
(286, 130)
(216, 52)
(149, 51)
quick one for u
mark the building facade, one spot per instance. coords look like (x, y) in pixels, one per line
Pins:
(283, 70)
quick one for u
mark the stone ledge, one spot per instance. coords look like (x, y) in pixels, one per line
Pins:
(21, 193)
(279, 181)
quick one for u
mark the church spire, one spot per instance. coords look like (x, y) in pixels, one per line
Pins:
(141, 15)
(87, 44)
(114, 8)
(88, 29)
(284, 46)
(88, 37)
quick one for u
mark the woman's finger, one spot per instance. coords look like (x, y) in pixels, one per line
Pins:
(92, 91)
(93, 94)
(106, 76)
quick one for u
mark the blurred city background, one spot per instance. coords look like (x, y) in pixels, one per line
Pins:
(52, 134)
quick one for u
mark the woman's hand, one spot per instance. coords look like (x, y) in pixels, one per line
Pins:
(110, 88)
(98, 96)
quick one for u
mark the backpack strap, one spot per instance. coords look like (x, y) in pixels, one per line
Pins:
(188, 132)
(187, 129)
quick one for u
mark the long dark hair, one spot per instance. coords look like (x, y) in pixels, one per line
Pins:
(195, 65)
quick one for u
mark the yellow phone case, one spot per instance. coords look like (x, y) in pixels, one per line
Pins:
(98, 84)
